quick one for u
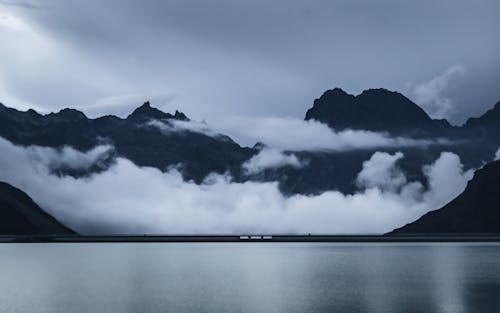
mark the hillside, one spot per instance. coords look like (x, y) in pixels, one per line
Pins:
(476, 210)
(20, 215)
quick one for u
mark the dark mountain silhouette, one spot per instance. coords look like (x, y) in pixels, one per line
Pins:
(145, 113)
(199, 154)
(19, 215)
(476, 210)
(132, 138)
(378, 110)
(381, 110)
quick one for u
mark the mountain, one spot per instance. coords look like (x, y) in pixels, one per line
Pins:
(151, 137)
(381, 110)
(132, 138)
(476, 210)
(19, 215)
(145, 113)
(378, 110)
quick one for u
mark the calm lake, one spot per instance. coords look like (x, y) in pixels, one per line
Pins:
(250, 277)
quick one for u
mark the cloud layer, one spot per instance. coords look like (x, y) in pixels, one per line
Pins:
(291, 134)
(69, 158)
(271, 158)
(381, 171)
(133, 200)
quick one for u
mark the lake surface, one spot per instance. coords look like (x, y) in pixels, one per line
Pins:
(250, 277)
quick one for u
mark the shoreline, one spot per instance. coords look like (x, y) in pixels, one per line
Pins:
(251, 238)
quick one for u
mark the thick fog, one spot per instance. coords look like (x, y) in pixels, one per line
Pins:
(294, 134)
(127, 199)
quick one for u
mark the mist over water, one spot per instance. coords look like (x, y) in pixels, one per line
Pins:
(250, 277)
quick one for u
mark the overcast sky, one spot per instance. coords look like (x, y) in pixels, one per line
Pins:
(218, 58)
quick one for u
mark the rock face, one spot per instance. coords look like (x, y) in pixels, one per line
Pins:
(19, 215)
(476, 210)
(375, 110)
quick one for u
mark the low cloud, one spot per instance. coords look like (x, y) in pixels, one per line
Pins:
(445, 177)
(497, 155)
(69, 158)
(381, 171)
(292, 134)
(133, 200)
(173, 125)
(432, 95)
(271, 158)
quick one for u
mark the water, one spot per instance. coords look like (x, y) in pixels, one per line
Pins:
(250, 277)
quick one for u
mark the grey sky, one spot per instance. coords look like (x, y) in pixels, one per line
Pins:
(213, 59)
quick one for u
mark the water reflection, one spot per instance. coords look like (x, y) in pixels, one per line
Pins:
(251, 277)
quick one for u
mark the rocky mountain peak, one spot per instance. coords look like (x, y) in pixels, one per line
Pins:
(373, 109)
(147, 112)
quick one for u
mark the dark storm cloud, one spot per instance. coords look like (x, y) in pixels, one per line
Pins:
(218, 58)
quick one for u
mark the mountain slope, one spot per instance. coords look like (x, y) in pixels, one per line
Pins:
(476, 210)
(20, 215)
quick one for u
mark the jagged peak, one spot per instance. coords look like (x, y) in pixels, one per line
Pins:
(180, 116)
(146, 111)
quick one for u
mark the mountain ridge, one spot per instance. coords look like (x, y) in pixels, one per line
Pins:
(374, 110)
(200, 154)
(132, 138)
